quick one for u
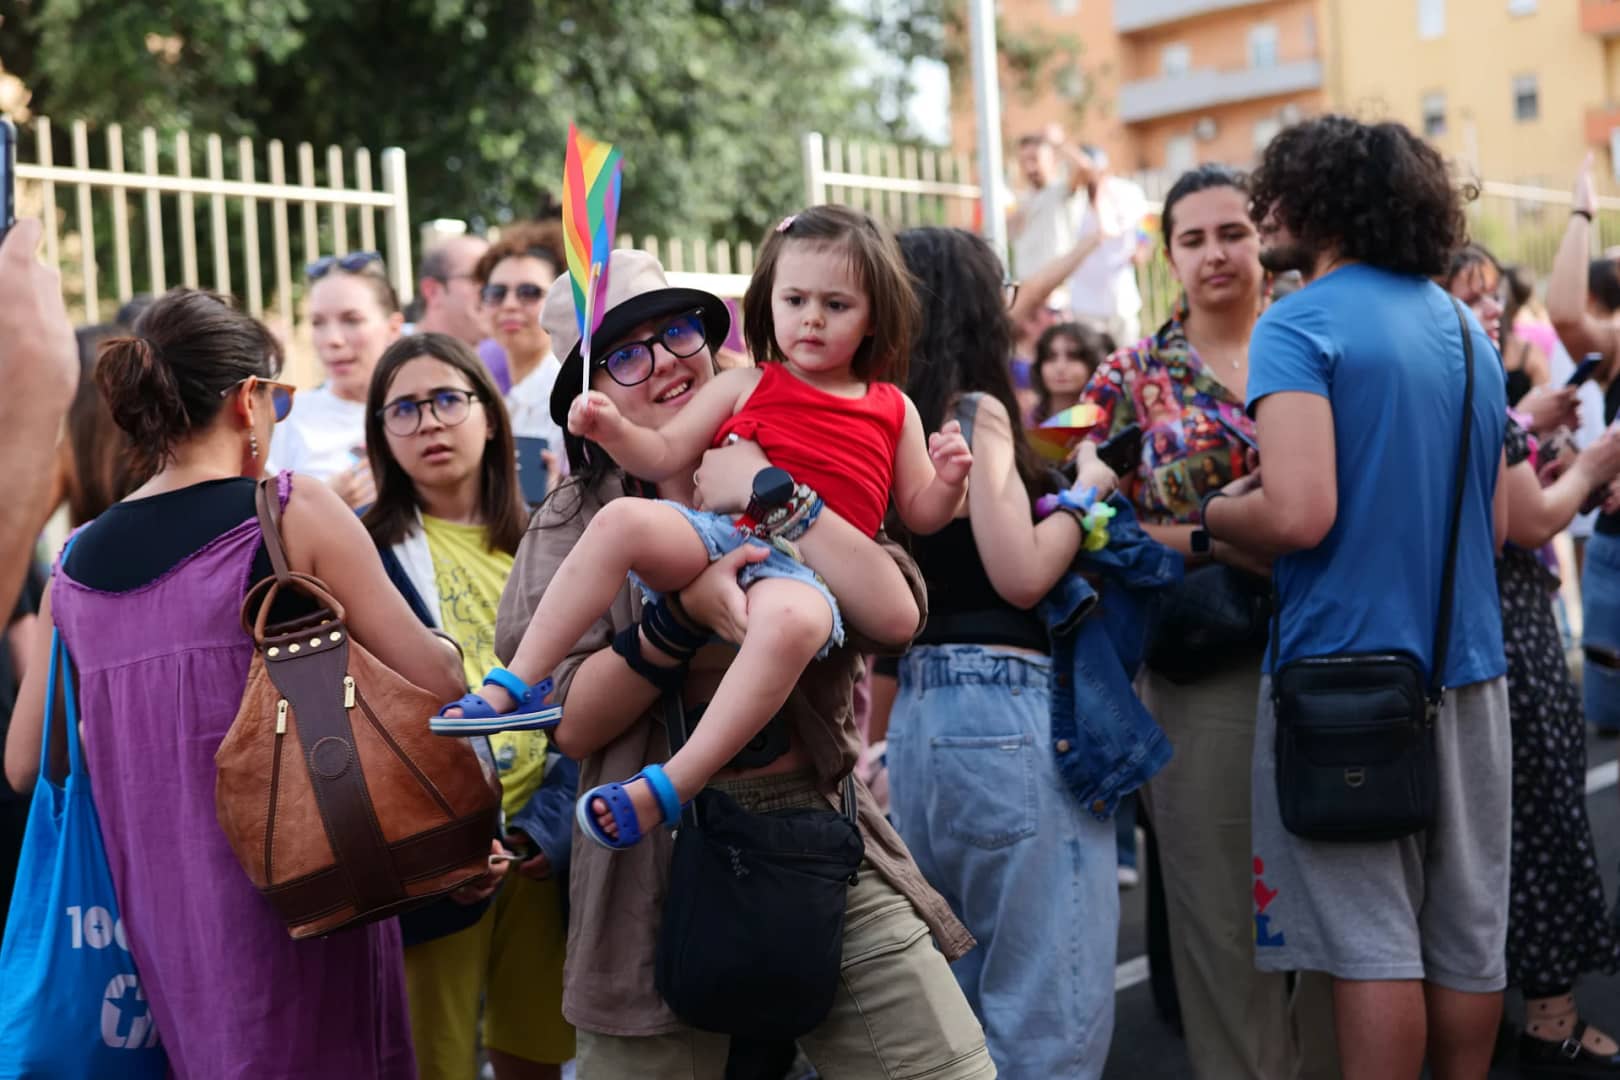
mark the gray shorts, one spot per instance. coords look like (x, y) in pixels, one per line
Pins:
(1432, 906)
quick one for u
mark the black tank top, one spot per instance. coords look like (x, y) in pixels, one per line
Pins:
(1609, 524)
(136, 542)
(963, 607)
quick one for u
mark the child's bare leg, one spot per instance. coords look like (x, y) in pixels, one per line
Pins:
(654, 540)
(788, 622)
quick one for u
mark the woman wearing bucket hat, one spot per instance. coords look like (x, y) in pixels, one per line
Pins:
(893, 973)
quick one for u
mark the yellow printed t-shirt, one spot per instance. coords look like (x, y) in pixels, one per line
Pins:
(470, 578)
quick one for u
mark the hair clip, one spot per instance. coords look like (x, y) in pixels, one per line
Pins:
(787, 223)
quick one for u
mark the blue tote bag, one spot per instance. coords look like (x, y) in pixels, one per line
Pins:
(71, 1007)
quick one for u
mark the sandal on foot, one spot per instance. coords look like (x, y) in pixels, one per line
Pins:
(478, 716)
(1570, 1057)
(624, 811)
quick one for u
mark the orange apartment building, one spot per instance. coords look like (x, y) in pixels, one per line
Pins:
(1174, 82)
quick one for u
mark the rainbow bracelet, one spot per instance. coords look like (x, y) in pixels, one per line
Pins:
(1082, 503)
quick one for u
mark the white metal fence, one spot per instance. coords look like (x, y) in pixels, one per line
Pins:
(241, 210)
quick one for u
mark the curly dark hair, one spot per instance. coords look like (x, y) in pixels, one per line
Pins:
(966, 340)
(1374, 192)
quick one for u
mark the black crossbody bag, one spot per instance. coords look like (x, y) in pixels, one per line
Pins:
(752, 938)
(1355, 734)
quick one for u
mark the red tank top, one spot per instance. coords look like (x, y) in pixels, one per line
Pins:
(842, 447)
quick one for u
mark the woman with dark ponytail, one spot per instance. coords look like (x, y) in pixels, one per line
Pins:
(147, 602)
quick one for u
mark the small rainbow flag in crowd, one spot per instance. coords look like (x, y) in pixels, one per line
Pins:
(1056, 439)
(591, 180)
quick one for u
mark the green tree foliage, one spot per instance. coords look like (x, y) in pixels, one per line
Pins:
(707, 98)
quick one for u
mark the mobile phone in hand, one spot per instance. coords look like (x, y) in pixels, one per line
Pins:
(1585, 369)
(531, 466)
(8, 176)
(1122, 452)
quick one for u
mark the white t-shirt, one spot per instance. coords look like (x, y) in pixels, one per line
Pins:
(1104, 286)
(1047, 221)
(529, 403)
(323, 436)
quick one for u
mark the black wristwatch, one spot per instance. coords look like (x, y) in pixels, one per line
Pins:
(1199, 542)
(773, 488)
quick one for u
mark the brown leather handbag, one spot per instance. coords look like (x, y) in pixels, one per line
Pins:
(340, 804)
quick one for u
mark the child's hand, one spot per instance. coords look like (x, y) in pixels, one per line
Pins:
(950, 454)
(594, 416)
(1091, 472)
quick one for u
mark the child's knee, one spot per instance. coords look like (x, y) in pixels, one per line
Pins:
(799, 618)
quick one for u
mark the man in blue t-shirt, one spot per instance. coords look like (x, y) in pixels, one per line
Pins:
(1357, 386)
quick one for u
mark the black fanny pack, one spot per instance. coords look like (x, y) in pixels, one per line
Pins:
(1355, 734)
(752, 937)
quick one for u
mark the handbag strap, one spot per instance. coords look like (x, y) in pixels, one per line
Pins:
(967, 407)
(270, 525)
(1448, 576)
(675, 729)
(61, 724)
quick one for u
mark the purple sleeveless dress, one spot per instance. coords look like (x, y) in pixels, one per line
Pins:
(161, 670)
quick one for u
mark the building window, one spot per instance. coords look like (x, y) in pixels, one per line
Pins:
(1431, 18)
(1521, 7)
(1264, 131)
(1175, 61)
(1526, 98)
(1180, 153)
(1263, 45)
(1065, 7)
(1434, 115)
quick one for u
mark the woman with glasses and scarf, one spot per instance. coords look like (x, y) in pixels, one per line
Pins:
(896, 1010)
(354, 315)
(447, 519)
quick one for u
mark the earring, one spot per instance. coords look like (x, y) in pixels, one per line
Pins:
(253, 445)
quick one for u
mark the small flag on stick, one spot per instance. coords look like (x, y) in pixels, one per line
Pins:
(591, 182)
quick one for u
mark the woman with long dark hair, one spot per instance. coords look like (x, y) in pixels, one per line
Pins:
(1066, 356)
(974, 788)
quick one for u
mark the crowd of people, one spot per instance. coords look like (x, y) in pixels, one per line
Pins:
(838, 586)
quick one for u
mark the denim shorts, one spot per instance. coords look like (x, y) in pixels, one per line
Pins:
(720, 536)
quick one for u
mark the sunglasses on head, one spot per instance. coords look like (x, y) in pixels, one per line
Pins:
(353, 263)
(281, 394)
(527, 293)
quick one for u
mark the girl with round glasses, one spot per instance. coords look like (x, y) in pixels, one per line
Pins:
(447, 520)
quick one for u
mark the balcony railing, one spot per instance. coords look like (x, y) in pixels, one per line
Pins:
(1133, 15)
(1150, 99)
(1601, 17)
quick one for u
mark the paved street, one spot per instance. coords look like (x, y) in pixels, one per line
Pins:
(1145, 1048)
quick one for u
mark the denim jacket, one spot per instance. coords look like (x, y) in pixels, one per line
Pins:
(1106, 743)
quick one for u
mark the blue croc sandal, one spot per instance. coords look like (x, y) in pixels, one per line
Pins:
(624, 812)
(478, 717)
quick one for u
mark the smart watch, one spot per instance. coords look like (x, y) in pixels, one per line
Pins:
(1199, 542)
(773, 489)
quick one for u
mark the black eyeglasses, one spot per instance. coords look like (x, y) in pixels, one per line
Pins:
(403, 416)
(632, 362)
(527, 293)
(1009, 291)
(353, 263)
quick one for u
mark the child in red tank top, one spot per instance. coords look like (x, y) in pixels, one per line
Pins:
(829, 313)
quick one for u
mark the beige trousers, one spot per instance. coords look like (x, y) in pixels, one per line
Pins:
(1240, 1022)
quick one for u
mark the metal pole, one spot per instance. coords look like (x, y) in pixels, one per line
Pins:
(987, 103)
